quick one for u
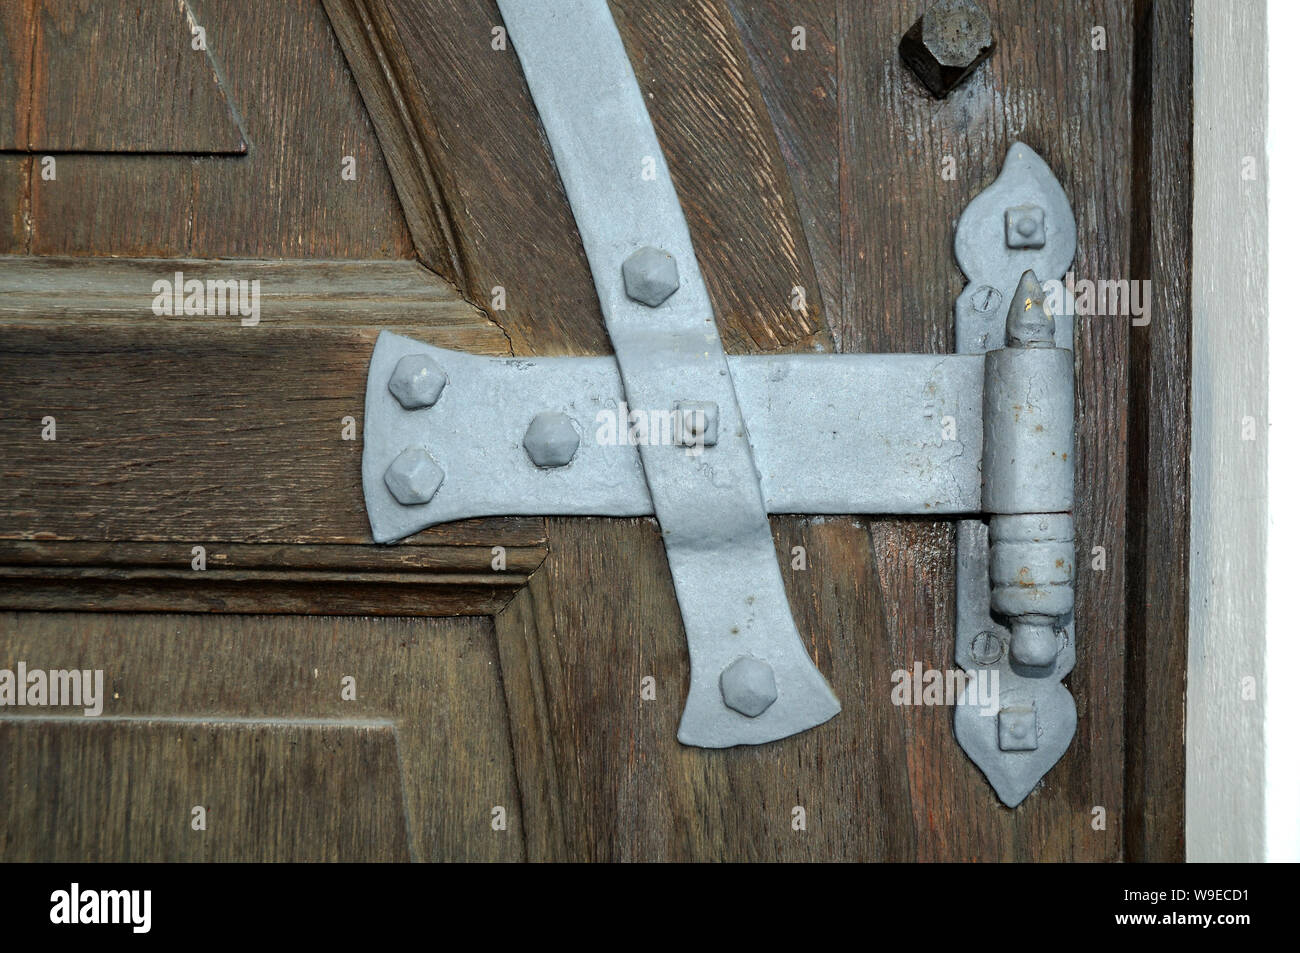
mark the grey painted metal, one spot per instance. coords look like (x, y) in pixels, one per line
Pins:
(413, 477)
(696, 423)
(1028, 413)
(831, 433)
(1031, 575)
(650, 276)
(1012, 773)
(795, 433)
(992, 269)
(417, 381)
(1028, 637)
(748, 686)
(709, 503)
(551, 439)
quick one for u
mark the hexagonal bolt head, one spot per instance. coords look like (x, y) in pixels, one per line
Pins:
(1026, 227)
(748, 686)
(551, 440)
(947, 43)
(417, 381)
(414, 477)
(650, 276)
(1018, 729)
(695, 423)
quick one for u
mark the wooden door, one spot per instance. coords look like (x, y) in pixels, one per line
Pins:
(181, 493)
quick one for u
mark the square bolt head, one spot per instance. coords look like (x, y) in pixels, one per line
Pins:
(947, 43)
(695, 423)
(417, 381)
(1018, 729)
(1026, 227)
(551, 440)
(650, 276)
(414, 477)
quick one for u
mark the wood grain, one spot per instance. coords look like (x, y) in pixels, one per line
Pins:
(245, 715)
(718, 140)
(273, 791)
(533, 679)
(800, 88)
(851, 198)
(166, 96)
(1229, 729)
(898, 211)
(17, 37)
(301, 114)
(166, 426)
(400, 114)
(1159, 529)
(512, 223)
(898, 282)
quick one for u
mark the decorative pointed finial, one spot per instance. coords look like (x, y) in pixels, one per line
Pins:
(1028, 322)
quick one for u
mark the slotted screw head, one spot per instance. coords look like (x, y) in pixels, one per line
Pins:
(413, 477)
(417, 381)
(748, 686)
(551, 440)
(947, 43)
(650, 276)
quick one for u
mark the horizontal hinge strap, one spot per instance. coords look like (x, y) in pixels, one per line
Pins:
(830, 433)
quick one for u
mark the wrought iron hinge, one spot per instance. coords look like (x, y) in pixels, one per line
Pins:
(710, 444)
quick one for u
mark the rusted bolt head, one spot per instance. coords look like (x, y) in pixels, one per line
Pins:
(414, 477)
(950, 40)
(551, 440)
(748, 686)
(650, 276)
(417, 381)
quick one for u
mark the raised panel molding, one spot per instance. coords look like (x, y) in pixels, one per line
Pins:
(176, 431)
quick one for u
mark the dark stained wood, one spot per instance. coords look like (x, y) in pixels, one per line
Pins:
(301, 113)
(844, 191)
(204, 433)
(659, 800)
(512, 218)
(168, 427)
(406, 129)
(533, 679)
(17, 37)
(512, 223)
(15, 202)
(244, 715)
(717, 137)
(82, 344)
(1157, 549)
(800, 88)
(274, 791)
(111, 77)
(898, 284)
(422, 579)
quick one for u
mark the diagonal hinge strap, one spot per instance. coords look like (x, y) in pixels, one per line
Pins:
(752, 680)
